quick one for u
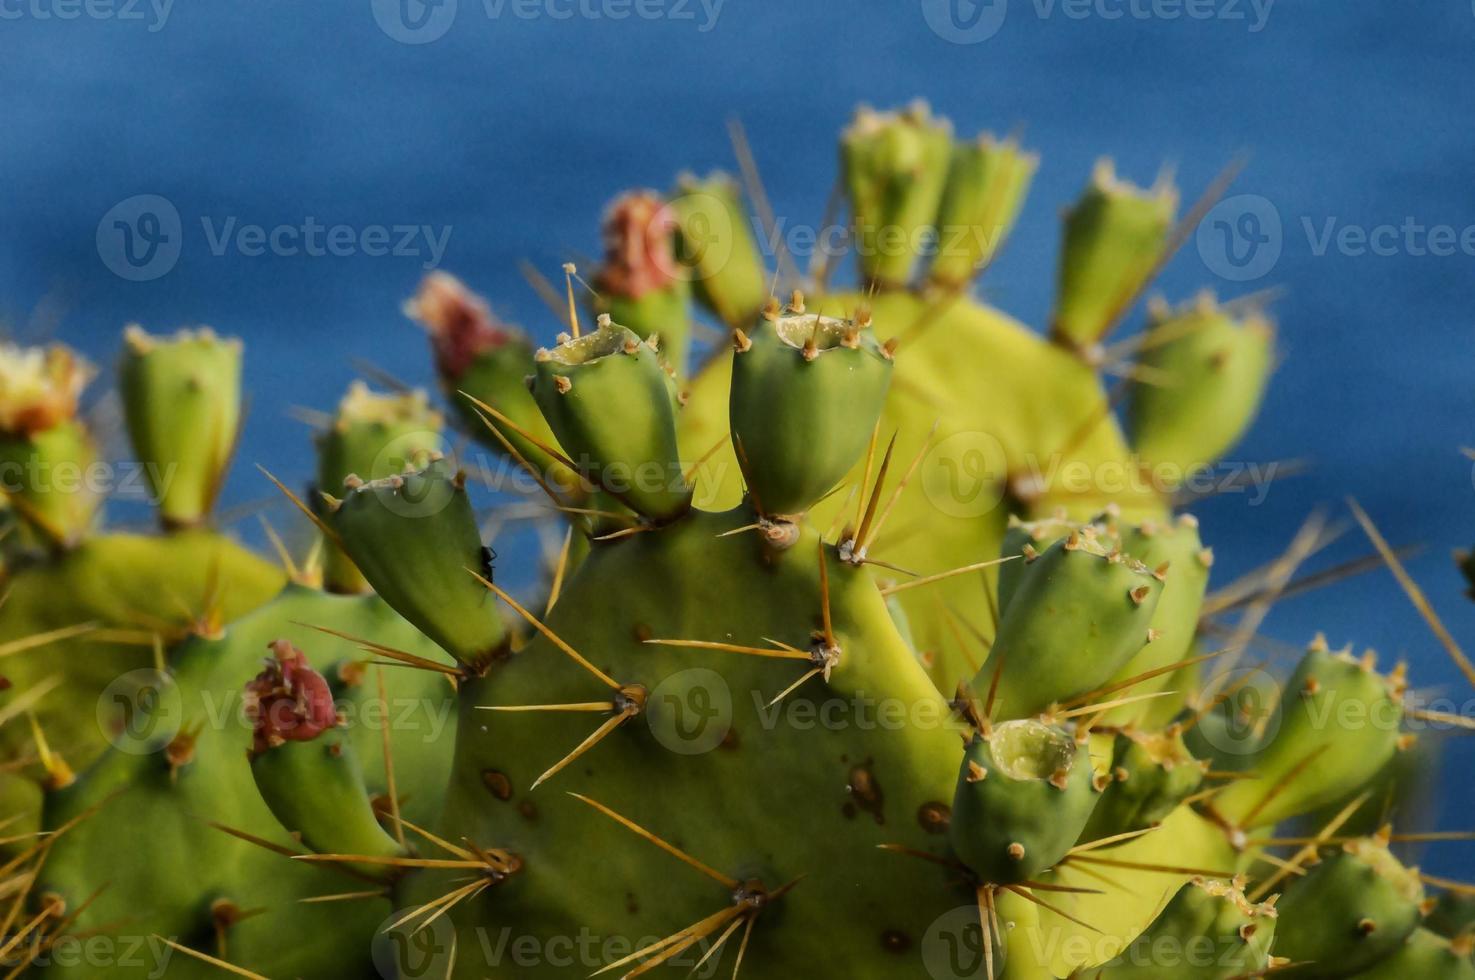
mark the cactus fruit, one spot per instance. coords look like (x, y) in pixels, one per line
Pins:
(1208, 931)
(1354, 908)
(372, 437)
(45, 451)
(799, 697)
(1204, 371)
(807, 390)
(1024, 795)
(1116, 236)
(182, 403)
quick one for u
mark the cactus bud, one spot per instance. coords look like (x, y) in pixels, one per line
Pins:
(372, 436)
(1175, 622)
(1428, 956)
(1336, 725)
(895, 166)
(182, 403)
(1348, 912)
(1207, 378)
(986, 186)
(1208, 931)
(303, 762)
(489, 360)
(415, 538)
(609, 401)
(1075, 617)
(1151, 773)
(805, 398)
(1115, 237)
(42, 440)
(715, 241)
(640, 284)
(1027, 806)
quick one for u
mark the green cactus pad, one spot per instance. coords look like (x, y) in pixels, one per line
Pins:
(182, 403)
(181, 766)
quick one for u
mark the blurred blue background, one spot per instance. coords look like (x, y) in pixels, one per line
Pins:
(511, 131)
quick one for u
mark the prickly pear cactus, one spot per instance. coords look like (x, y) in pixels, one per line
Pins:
(870, 652)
